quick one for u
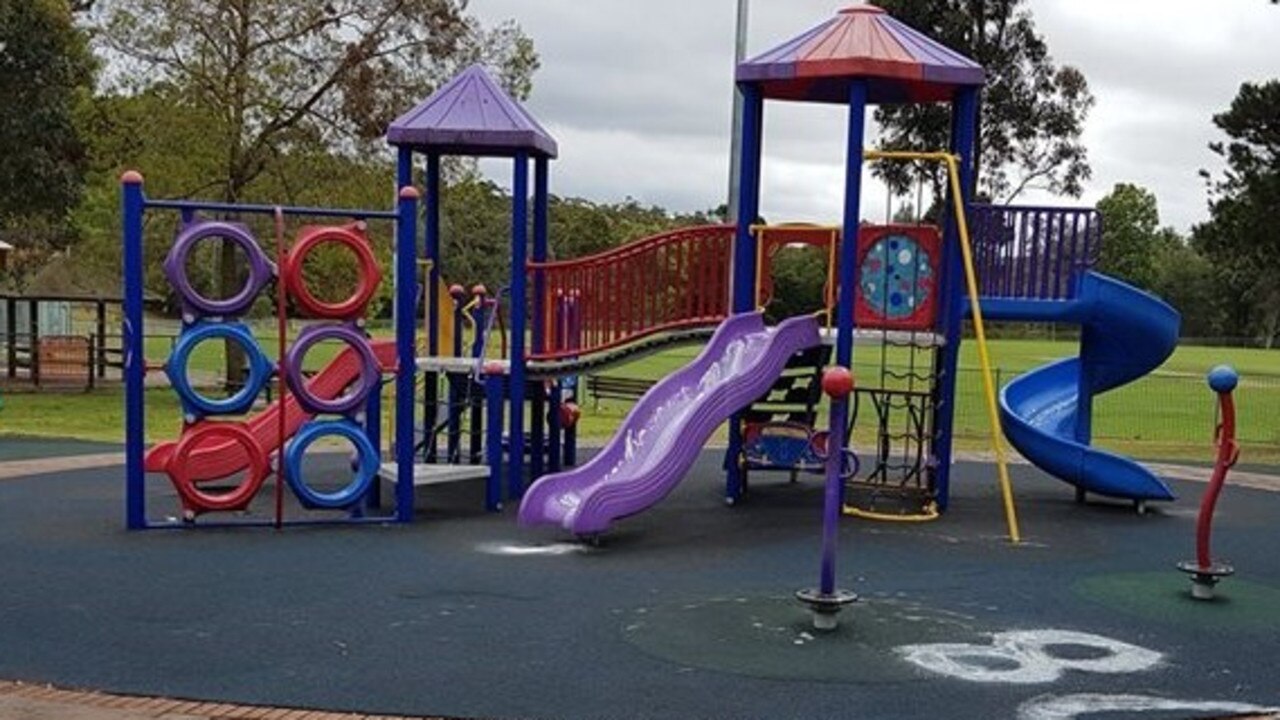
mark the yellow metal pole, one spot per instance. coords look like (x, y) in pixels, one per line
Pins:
(984, 358)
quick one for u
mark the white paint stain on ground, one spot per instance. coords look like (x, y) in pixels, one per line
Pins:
(1025, 657)
(512, 550)
(1069, 707)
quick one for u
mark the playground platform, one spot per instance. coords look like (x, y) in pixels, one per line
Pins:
(684, 611)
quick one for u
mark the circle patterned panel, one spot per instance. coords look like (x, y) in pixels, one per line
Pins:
(896, 277)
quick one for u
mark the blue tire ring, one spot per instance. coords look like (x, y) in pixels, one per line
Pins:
(343, 404)
(200, 405)
(366, 464)
(261, 270)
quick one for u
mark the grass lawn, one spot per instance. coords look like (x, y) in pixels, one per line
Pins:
(1169, 414)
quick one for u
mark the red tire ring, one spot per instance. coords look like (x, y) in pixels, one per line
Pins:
(195, 500)
(368, 275)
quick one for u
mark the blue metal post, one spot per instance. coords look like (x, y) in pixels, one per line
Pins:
(404, 167)
(833, 494)
(1084, 399)
(744, 246)
(839, 418)
(476, 431)
(431, 243)
(431, 220)
(519, 316)
(556, 397)
(135, 361)
(964, 118)
(373, 430)
(554, 433)
(406, 346)
(570, 386)
(537, 405)
(494, 395)
(849, 230)
(453, 451)
(571, 446)
(744, 255)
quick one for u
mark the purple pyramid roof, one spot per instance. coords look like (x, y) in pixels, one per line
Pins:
(471, 115)
(900, 63)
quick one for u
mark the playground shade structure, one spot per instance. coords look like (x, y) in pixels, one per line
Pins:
(663, 434)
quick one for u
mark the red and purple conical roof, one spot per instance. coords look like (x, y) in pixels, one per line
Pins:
(900, 63)
(471, 115)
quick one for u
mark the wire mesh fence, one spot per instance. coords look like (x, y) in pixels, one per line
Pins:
(1161, 414)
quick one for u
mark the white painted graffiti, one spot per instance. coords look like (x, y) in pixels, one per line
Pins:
(514, 550)
(1026, 657)
(1069, 707)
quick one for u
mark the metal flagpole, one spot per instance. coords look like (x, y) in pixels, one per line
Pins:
(735, 153)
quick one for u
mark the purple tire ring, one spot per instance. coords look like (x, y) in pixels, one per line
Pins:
(261, 270)
(345, 403)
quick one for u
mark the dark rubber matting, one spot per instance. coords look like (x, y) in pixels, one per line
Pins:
(684, 611)
(19, 447)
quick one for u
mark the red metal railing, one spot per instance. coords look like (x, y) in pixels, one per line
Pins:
(676, 280)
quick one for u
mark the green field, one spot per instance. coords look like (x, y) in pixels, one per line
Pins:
(1169, 414)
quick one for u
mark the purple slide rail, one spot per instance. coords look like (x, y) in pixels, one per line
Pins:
(663, 434)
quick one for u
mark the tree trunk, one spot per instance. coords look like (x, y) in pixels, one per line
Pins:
(231, 277)
(1271, 327)
(231, 272)
(980, 38)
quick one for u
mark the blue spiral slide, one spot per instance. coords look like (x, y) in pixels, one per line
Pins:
(1046, 413)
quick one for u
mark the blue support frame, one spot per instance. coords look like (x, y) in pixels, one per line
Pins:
(744, 257)
(406, 346)
(431, 250)
(373, 430)
(494, 396)
(839, 415)
(554, 433)
(519, 315)
(964, 119)
(132, 205)
(538, 404)
(453, 447)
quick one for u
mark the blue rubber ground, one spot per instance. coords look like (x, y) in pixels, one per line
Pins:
(683, 612)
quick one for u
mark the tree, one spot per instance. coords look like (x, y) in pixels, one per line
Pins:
(46, 70)
(1185, 280)
(1033, 111)
(1240, 237)
(275, 75)
(1131, 222)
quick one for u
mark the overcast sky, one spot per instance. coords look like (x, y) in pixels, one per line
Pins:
(638, 94)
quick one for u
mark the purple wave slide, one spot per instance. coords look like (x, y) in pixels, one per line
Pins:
(663, 434)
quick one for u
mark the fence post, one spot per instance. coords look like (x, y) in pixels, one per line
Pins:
(102, 340)
(11, 335)
(88, 363)
(33, 340)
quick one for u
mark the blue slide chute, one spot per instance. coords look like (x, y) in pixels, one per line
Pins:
(1046, 413)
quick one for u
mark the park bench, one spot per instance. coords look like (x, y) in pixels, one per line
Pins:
(616, 388)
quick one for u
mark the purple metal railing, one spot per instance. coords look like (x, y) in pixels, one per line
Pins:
(1033, 253)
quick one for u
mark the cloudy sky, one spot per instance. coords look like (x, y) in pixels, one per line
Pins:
(639, 96)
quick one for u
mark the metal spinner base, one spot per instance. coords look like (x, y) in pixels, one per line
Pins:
(825, 608)
(1203, 579)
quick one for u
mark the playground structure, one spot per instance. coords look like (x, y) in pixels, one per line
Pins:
(902, 289)
(347, 394)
